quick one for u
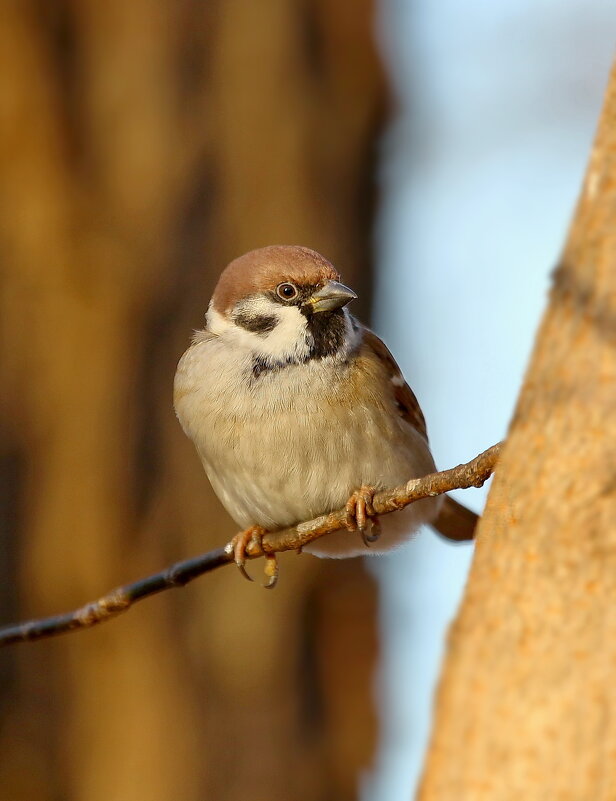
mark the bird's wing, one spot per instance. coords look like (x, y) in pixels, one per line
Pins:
(405, 399)
(454, 521)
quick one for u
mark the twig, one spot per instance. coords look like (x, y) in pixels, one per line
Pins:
(472, 474)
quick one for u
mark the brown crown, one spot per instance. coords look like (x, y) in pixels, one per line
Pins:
(263, 269)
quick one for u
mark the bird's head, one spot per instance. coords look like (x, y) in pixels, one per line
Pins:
(285, 304)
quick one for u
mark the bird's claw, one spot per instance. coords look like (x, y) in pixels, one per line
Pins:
(238, 546)
(360, 511)
(271, 571)
(375, 532)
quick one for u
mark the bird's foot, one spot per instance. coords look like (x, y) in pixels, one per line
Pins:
(360, 511)
(238, 546)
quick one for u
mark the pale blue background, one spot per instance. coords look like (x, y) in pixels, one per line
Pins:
(498, 104)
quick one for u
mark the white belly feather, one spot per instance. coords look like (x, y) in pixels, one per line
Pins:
(274, 461)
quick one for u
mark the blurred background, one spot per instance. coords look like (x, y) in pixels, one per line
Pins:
(434, 152)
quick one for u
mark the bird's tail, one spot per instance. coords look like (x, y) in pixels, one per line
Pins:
(455, 522)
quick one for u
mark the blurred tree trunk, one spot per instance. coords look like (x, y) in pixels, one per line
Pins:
(143, 145)
(527, 703)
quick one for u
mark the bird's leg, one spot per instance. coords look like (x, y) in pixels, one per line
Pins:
(238, 545)
(359, 510)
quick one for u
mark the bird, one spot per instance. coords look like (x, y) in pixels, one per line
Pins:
(296, 409)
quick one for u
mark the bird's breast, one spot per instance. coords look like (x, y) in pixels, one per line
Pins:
(293, 444)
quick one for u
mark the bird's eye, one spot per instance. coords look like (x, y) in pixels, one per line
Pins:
(286, 291)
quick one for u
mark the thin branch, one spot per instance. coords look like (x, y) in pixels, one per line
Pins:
(471, 474)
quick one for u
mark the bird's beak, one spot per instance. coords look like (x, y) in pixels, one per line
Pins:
(331, 296)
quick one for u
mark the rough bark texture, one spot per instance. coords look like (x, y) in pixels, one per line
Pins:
(142, 145)
(527, 703)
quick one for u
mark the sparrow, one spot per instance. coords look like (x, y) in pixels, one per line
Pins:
(296, 408)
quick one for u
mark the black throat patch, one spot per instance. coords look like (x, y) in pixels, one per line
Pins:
(327, 330)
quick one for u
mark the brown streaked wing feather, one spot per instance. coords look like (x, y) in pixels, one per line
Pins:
(405, 398)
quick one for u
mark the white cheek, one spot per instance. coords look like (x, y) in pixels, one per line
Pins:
(289, 339)
(290, 335)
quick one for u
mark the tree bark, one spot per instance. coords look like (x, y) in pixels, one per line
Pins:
(527, 701)
(142, 145)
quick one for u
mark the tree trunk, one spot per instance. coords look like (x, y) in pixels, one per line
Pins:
(527, 702)
(143, 145)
